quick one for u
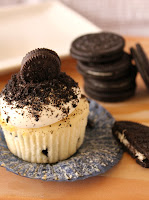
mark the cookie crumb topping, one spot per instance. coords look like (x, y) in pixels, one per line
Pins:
(35, 88)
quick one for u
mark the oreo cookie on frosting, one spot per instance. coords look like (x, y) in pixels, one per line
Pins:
(135, 139)
(40, 65)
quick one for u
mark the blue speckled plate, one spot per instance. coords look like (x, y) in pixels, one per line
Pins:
(99, 152)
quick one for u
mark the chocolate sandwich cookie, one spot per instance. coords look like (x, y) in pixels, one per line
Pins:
(40, 65)
(142, 62)
(110, 96)
(98, 47)
(106, 71)
(135, 139)
(118, 85)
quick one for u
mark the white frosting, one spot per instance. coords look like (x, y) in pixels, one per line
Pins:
(21, 117)
(123, 140)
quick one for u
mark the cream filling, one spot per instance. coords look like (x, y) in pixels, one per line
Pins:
(111, 86)
(123, 140)
(99, 73)
(23, 118)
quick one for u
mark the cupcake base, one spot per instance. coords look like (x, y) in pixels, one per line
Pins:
(52, 143)
(99, 153)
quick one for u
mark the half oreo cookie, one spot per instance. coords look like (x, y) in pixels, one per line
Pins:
(135, 139)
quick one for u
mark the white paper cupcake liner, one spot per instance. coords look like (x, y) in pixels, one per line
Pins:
(44, 147)
(99, 152)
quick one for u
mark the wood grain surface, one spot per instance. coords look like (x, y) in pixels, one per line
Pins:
(127, 180)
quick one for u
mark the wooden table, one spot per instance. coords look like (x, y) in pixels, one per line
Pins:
(127, 180)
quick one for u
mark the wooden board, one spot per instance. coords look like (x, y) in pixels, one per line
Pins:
(127, 180)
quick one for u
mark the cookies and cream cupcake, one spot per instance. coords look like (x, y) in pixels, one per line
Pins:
(42, 113)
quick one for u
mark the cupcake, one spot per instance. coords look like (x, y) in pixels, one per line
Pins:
(42, 113)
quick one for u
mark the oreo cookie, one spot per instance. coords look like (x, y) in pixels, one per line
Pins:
(135, 139)
(98, 47)
(40, 65)
(118, 85)
(106, 71)
(142, 63)
(110, 96)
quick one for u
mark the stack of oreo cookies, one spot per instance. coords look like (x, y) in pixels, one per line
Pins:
(107, 70)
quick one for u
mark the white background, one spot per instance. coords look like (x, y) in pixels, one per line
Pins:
(129, 17)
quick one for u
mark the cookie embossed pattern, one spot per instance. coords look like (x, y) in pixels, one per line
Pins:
(99, 153)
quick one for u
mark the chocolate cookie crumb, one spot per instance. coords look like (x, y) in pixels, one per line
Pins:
(7, 119)
(37, 117)
(83, 96)
(56, 92)
(74, 105)
(45, 152)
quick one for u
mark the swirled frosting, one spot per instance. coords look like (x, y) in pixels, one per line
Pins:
(34, 105)
(40, 94)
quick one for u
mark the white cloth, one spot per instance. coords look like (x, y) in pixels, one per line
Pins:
(129, 17)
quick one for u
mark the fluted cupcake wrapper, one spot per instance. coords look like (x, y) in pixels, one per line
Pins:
(46, 147)
(99, 153)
